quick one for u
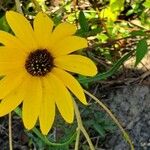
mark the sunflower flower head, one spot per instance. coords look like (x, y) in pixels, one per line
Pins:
(37, 63)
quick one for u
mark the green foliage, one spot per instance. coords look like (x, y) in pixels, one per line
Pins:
(141, 50)
(3, 24)
(87, 25)
(96, 122)
(83, 22)
(147, 4)
(138, 33)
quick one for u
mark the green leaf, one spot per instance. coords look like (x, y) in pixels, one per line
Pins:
(3, 24)
(99, 129)
(92, 32)
(138, 33)
(83, 22)
(146, 4)
(141, 50)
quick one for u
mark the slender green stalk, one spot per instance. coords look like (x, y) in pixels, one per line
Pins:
(48, 142)
(125, 134)
(77, 139)
(10, 132)
(81, 127)
(105, 75)
(44, 138)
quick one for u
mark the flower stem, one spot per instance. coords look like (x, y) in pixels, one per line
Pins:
(81, 127)
(10, 132)
(77, 139)
(44, 138)
(125, 134)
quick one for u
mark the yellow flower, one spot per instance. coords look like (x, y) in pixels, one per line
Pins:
(36, 64)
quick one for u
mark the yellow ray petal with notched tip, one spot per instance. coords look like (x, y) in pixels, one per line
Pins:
(10, 82)
(11, 41)
(71, 83)
(22, 29)
(47, 112)
(12, 100)
(77, 64)
(43, 26)
(9, 104)
(63, 98)
(60, 32)
(32, 102)
(69, 45)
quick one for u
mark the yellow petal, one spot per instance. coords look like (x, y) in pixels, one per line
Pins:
(12, 100)
(63, 98)
(61, 31)
(8, 54)
(47, 112)
(10, 67)
(71, 83)
(11, 60)
(77, 64)
(69, 45)
(9, 83)
(11, 41)
(43, 26)
(9, 104)
(22, 29)
(32, 102)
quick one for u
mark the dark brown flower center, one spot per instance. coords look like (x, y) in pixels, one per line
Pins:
(39, 62)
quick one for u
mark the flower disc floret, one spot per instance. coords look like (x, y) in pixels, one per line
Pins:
(39, 62)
